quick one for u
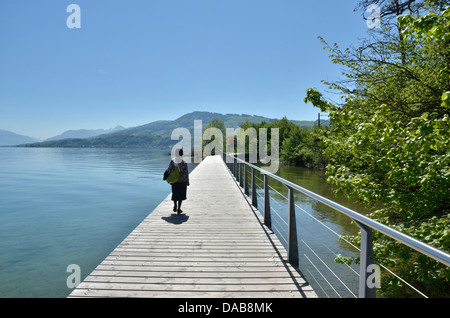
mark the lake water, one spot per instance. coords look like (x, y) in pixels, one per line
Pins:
(70, 206)
(62, 206)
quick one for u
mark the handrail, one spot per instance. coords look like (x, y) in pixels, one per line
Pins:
(365, 223)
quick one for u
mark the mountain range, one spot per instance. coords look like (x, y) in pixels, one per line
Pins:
(157, 133)
(84, 133)
(9, 138)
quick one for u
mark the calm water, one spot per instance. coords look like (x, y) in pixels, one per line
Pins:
(70, 206)
(62, 206)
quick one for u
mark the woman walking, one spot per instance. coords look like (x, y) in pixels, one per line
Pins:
(179, 188)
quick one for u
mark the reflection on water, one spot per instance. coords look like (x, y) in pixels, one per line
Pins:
(315, 181)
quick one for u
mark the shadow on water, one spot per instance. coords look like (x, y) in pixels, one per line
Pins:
(176, 218)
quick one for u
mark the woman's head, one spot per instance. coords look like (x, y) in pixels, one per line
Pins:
(177, 155)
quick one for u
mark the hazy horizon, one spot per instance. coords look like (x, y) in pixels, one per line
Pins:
(123, 127)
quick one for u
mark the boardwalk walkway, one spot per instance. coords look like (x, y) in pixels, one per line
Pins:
(217, 248)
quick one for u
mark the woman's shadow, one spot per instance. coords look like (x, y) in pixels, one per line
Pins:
(176, 218)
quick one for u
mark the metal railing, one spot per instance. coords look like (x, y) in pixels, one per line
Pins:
(365, 223)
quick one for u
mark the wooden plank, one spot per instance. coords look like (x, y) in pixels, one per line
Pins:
(195, 287)
(153, 272)
(217, 248)
(188, 259)
(191, 280)
(211, 269)
(81, 293)
(194, 263)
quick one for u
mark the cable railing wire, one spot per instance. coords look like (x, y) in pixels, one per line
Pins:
(317, 283)
(282, 234)
(365, 224)
(320, 273)
(341, 238)
(329, 268)
(276, 225)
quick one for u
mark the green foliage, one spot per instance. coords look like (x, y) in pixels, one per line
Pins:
(113, 141)
(298, 145)
(388, 145)
(305, 148)
(216, 123)
(220, 125)
(431, 27)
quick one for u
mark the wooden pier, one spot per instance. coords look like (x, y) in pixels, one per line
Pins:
(219, 247)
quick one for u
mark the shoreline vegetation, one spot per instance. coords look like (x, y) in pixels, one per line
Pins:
(158, 133)
(388, 145)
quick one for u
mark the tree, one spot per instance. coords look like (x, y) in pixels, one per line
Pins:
(208, 140)
(298, 145)
(304, 147)
(389, 141)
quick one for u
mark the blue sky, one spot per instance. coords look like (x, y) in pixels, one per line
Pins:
(133, 62)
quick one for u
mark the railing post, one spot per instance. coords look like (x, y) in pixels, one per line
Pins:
(241, 176)
(292, 231)
(267, 217)
(366, 290)
(224, 158)
(235, 167)
(254, 198)
(245, 179)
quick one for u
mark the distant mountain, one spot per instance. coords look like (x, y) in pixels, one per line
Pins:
(9, 138)
(157, 133)
(84, 133)
(164, 128)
